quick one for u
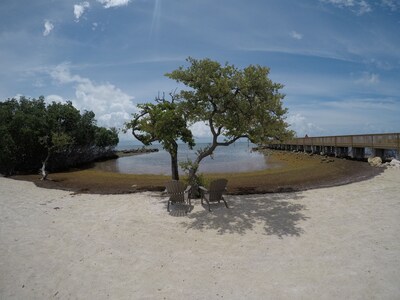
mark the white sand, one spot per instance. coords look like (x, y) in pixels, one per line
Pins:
(331, 243)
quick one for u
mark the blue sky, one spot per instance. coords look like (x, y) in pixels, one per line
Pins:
(338, 59)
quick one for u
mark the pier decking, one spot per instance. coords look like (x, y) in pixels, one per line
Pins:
(355, 146)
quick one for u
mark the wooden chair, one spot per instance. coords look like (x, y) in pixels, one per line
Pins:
(215, 192)
(177, 193)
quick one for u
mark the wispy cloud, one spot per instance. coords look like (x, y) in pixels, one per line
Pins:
(48, 27)
(79, 9)
(296, 35)
(364, 104)
(359, 6)
(349, 115)
(156, 17)
(368, 78)
(393, 5)
(114, 3)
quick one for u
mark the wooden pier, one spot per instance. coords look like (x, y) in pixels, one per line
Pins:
(362, 146)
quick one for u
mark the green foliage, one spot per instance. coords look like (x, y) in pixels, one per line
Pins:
(193, 178)
(234, 103)
(7, 150)
(22, 124)
(30, 131)
(106, 137)
(188, 165)
(163, 122)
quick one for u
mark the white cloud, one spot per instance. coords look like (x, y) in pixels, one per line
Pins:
(200, 130)
(79, 9)
(364, 7)
(368, 78)
(296, 35)
(394, 5)
(62, 74)
(48, 27)
(114, 3)
(358, 6)
(112, 106)
(302, 126)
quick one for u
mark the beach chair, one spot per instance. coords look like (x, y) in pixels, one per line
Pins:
(177, 193)
(214, 193)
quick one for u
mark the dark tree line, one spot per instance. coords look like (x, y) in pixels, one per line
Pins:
(54, 136)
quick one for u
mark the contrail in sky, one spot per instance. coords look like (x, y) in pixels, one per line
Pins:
(155, 24)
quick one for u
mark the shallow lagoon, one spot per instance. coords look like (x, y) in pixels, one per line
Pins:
(237, 157)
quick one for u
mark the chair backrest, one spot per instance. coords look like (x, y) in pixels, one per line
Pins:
(175, 190)
(217, 188)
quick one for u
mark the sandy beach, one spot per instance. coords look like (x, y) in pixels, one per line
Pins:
(339, 242)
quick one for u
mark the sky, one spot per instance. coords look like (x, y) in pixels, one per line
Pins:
(339, 60)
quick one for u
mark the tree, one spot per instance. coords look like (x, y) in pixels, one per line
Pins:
(163, 122)
(55, 142)
(23, 122)
(234, 104)
(106, 137)
(57, 136)
(62, 120)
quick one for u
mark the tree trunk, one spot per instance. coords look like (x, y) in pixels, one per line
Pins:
(194, 183)
(174, 162)
(193, 178)
(174, 166)
(43, 169)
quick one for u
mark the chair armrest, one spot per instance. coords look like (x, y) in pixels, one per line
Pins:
(189, 187)
(202, 188)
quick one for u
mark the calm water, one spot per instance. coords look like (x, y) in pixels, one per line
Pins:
(237, 157)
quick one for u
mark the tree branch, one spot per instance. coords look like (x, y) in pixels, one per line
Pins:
(232, 141)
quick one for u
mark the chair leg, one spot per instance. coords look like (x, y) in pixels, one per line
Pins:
(168, 206)
(208, 202)
(226, 204)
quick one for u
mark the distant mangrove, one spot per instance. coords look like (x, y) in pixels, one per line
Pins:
(36, 136)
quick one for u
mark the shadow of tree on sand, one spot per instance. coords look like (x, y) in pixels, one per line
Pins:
(277, 214)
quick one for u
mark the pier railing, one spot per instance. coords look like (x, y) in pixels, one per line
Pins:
(378, 143)
(381, 141)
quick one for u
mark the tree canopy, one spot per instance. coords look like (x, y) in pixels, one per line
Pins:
(31, 131)
(163, 122)
(234, 103)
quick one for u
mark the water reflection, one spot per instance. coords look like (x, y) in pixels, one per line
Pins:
(232, 159)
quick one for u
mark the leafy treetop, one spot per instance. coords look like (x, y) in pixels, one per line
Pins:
(234, 103)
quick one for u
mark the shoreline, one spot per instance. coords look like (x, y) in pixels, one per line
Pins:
(298, 172)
